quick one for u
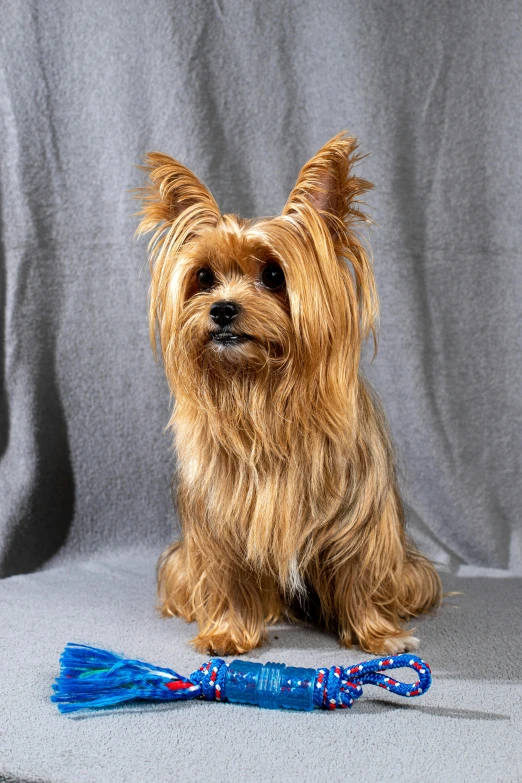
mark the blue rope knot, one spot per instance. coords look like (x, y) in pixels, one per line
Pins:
(211, 677)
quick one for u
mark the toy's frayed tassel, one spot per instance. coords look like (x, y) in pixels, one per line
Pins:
(94, 678)
(90, 677)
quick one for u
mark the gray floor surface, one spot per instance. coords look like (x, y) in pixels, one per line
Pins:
(467, 728)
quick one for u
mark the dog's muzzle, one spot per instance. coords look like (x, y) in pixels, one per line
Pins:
(227, 337)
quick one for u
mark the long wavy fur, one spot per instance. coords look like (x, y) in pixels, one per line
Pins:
(286, 478)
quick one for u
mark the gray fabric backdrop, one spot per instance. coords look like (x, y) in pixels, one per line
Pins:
(245, 93)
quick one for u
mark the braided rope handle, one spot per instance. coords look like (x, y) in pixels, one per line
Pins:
(334, 687)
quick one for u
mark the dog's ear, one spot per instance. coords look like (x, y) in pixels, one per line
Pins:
(177, 206)
(327, 184)
(174, 197)
(327, 196)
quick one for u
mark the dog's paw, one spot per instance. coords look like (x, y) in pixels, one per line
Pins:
(394, 645)
(222, 644)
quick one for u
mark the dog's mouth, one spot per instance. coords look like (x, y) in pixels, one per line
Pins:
(226, 337)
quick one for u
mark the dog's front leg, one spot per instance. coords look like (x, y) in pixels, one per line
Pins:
(230, 612)
(379, 587)
(230, 604)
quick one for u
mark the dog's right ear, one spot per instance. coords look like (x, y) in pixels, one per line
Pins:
(177, 206)
(175, 203)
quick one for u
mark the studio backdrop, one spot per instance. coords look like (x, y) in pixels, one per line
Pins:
(244, 93)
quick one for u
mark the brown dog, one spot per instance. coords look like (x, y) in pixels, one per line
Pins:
(286, 471)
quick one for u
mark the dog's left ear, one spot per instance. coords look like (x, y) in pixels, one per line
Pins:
(327, 184)
(327, 187)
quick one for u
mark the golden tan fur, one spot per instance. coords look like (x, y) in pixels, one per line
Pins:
(286, 474)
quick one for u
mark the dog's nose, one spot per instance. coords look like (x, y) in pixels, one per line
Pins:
(223, 313)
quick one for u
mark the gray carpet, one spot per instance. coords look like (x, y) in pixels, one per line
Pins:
(466, 728)
(245, 93)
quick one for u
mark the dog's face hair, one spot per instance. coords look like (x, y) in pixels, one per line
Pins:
(272, 303)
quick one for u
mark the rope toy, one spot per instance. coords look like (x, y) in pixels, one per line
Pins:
(92, 678)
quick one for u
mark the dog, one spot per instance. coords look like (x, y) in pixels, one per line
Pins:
(286, 474)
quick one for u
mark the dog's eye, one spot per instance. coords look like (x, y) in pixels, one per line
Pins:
(205, 278)
(273, 277)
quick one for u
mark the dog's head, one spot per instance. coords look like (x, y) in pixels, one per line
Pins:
(273, 299)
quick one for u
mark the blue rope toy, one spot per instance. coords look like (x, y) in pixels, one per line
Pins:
(91, 678)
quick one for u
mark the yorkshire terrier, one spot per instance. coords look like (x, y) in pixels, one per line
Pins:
(286, 477)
